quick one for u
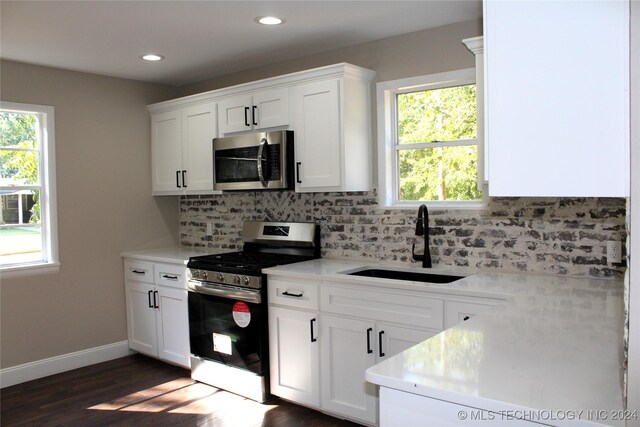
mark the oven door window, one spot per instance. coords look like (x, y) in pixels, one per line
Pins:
(227, 331)
(241, 164)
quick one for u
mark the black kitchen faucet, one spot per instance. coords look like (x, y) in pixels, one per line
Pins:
(422, 229)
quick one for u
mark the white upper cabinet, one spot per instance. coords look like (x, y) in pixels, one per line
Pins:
(327, 108)
(557, 100)
(331, 120)
(181, 148)
(261, 110)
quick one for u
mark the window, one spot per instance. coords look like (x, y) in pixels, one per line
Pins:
(28, 233)
(427, 138)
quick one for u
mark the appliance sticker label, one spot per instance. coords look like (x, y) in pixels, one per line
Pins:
(222, 343)
(241, 314)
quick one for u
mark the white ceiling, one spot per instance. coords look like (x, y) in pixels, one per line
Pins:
(203, 39)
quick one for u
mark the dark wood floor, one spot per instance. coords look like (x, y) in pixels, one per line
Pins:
(137, 390)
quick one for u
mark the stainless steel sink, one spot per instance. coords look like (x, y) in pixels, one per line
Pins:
(405, 275)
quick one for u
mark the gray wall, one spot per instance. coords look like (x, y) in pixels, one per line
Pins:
(105, 206)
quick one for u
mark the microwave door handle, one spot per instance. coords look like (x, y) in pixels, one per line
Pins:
(263, 181)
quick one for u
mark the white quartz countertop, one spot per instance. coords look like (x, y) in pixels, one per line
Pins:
(172, 255)
(553, 347)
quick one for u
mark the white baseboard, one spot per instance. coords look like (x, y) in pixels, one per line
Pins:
(66, 362)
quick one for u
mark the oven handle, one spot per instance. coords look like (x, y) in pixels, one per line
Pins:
(263, 181)
(226, 292)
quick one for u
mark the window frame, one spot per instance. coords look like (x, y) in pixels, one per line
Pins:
(388, 148)
(48, 194)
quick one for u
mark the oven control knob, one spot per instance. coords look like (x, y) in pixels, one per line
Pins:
(221, 277)
(204, 275)
(195, 273)
(236, 280)
(245, 280)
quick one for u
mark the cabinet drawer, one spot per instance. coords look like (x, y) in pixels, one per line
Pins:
(458, 311)
(293, 293)
(414, 309)
(172, 275)
(139, 271)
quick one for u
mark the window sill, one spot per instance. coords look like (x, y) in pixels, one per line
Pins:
(34, 269)
(479, 205)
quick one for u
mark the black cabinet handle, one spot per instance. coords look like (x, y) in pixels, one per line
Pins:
(184, 179)
(292, 295)
(298, 172)
(178, 179)
(149, 295)
(311, 322)
(380, 352)
(253, 115)
(465, 318)
(138, 271)
(369, 351)
(246, 116)
(166, 276)
(155, 299)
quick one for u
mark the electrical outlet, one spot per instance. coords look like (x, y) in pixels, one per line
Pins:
(614, 252)
(209, 228)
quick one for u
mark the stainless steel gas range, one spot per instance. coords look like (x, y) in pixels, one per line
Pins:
(228, 328)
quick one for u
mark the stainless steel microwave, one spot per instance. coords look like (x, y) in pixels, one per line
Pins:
(254, 161)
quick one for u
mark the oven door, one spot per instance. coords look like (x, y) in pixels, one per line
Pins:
(251, 161)
(228, 329)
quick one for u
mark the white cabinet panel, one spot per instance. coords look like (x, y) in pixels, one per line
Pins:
(173, 325)
(459, 311)
(347, 350)
(294, 355)
(393, 340)
(199, 129)
(141, 318)
(315, 119)
(557, 103)
(234, 115)
(166, 152)
(256, 111)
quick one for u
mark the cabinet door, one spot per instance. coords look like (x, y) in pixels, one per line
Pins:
(141, 318)
(173, 325)
(293, 353)
(346, 354)
(166, 152)
(271, 108)
(557, 100)
(199, 129)
(315, 119)
(234, 115)
(394, 339)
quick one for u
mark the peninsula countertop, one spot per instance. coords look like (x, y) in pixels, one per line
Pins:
(555, 343)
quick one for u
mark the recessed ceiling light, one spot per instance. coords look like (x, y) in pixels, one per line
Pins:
(269, 20)
(152, 57)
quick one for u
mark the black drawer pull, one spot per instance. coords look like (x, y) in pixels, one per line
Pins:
(149, 295)
(311, 322)
(166, 276)
(380, 352)
(298, 172)
(246, 116)
(155, 299)
(138, 271)
(465, 318)
(184, 179)
(178, 179)
(369, 350)
(292, 295)
(253, 113)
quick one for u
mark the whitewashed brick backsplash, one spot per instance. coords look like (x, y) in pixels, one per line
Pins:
(545, 235)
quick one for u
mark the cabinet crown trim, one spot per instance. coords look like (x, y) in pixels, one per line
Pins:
(341, 69)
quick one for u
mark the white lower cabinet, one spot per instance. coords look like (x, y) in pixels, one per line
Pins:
(157, 314)
(347, 350)
(294, 355)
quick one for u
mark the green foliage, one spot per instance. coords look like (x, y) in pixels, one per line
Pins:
(20, 167)
(439, 173)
